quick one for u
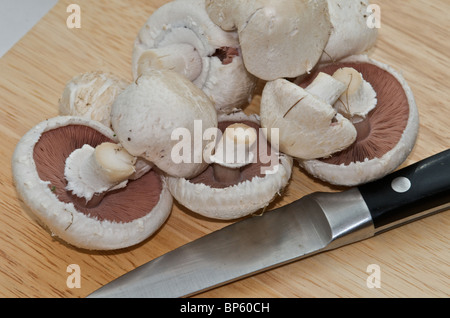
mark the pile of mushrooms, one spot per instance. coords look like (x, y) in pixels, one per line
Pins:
(104, 173)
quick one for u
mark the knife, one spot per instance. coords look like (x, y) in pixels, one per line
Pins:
(315, 223)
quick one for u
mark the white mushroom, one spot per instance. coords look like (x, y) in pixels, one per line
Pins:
(91, 95)
(147, 115)
(307, 125)
(123, 218)
(351, 34)
(279, 39)
(386, 135)
(230, 191)
(180, 36)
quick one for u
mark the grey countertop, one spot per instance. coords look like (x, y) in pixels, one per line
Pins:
(17, 17)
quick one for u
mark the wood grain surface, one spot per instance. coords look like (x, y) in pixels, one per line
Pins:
(413, 259)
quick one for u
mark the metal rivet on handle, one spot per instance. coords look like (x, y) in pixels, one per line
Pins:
(401, 184)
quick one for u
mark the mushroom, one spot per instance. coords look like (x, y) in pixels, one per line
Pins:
(229, 190)
(147, 115)
(91, 95)
(124, 217)
(385, 136)
(306, 124)
(278, 39)
(350, 33)
(180, 36)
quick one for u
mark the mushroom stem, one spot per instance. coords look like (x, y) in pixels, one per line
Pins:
(358, 99)
(226, 174)
(327, 88)
(91, 172)
(234, 150)
(180, 57)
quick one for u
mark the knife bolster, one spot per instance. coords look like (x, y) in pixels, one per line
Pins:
(348, 216)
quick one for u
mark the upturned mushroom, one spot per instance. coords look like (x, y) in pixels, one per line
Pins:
(91, 95)
(351, 32)
(120, 218)
(306, 124)
(149, 112)
(279, 39)
(246, 173)
(386, 134)
(180, 36)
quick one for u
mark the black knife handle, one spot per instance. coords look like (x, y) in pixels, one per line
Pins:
(409, 193)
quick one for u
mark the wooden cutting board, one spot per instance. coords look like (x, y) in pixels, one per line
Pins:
(413, 260)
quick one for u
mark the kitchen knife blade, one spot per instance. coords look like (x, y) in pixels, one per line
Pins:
(315, 223)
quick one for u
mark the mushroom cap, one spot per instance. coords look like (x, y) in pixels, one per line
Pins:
(238, 200)
(306, 126)
(279, 39)
(91, 95)
(56, 212)
(147, 115)
(228, 85)
(350, 33)
(366, 169)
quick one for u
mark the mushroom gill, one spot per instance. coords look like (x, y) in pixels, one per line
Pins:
(226, 54)
(383, 127)
(134, 201)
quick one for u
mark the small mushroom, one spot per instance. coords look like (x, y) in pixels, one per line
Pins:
(279, 39)
(306, 124)
(91, 95)
(180, 36)
(123, 218)
(149, 112)
(231, 189)
(350, 33)
(386, 135)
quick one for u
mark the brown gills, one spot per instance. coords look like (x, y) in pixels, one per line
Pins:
(254, 169)
(382, 129)
(134, 201)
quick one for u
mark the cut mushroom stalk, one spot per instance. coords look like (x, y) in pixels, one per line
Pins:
(359, 97)
(91, 172)
(180, 57)
(319, 120)
(385, 137)
(234, 151)
(307, 124)
(327, 88)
